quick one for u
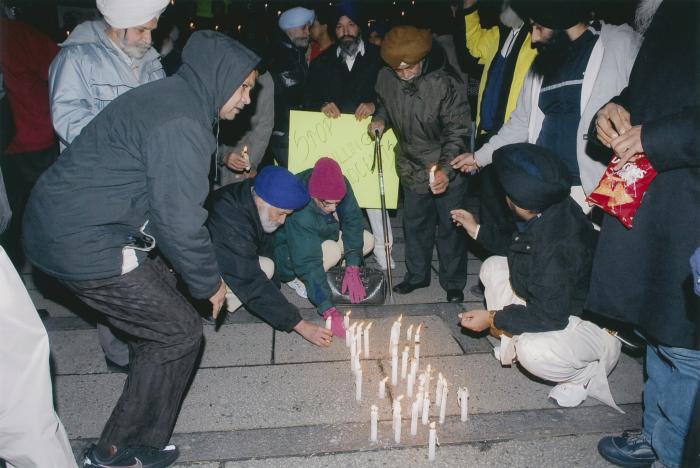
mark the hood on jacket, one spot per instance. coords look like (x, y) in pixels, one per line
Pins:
(87, 32)
(215, 65)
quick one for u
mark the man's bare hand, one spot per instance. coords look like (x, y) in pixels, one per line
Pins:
(475, 320)
(628, 145)
(236, 162)
(314, 334)
(364, 110)
(612, 121)
(440, 183)
(466, 220)
(465, 162)
(376, 125)
(218, 299)
(468, 3)
(331, 110)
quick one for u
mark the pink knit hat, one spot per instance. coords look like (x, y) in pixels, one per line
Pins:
(327, 181)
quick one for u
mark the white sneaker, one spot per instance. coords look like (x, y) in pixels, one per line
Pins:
(298, 287)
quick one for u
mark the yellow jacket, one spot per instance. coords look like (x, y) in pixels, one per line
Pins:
(483, 44)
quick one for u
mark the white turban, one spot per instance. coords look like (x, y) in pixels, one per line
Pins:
(296, 18)
(122, 14)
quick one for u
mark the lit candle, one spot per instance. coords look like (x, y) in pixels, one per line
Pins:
(353, 350)
(426, 409)
(374, 417)
(414, 417)
(346, 324)
(409, 333)
(358, 384)
(416, 353)
(463, 400)
(366, 335)
(443, 408)
(432, 442)
(416, 337)
(357, 360)
(431, 177)
(245, 148)
(438, 390)
(409, 384)
(404, 362)
(328, 323)
(428, 378)
(397, 427)
(382, 388)
(358, 339)
(394, 365)
(414, 367)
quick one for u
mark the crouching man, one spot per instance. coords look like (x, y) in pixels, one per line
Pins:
(241, 218)
(535, 293)
(316, 238)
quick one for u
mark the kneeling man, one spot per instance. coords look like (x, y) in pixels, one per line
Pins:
(319, 236)
(241, 219)
(535, 293)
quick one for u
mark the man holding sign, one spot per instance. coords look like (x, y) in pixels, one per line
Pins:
(342, 80)
(422, 99)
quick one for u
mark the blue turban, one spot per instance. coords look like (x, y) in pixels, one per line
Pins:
(296, 18)
(280, 188)
(533, 177)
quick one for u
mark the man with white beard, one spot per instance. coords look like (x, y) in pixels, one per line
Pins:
(99, 61)
(642, 275)
(241, 219)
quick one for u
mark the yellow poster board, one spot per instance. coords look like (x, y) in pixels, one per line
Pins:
(312, 135)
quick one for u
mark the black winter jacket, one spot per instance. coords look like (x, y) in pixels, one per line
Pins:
(145, 157)
(239, 239)
(289, 70)
(430, 117)
(550, 268)
(330, 81)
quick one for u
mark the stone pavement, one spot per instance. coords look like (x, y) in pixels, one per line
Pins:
(268, 399)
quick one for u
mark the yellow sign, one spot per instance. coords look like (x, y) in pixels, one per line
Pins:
(312, 135)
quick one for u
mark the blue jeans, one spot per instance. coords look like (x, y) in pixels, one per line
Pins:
(673, 378)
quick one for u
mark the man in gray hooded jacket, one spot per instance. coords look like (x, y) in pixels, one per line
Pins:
(138, 174)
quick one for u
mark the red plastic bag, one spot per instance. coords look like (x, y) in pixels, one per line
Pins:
(620, 193)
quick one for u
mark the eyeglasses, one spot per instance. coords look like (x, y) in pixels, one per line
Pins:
(328, 204)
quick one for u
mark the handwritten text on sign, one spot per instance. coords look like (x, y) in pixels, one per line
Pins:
(312, 135)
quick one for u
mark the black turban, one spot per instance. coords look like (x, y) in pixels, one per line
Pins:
(533, 177)
(556, 14)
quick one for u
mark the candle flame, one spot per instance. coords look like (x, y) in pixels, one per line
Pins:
(385, 379)
(400, 318)
(347, 314)
(405, 349)
(369, 325)
(399, 398)
(432, 425)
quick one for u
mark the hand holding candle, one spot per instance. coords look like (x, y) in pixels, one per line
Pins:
(245, 155)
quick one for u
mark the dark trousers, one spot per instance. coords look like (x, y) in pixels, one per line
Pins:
(494, 211)
(165, 335)
(279, 148)
(20, 172)
(422, 211)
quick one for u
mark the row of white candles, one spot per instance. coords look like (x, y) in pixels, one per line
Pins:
(421, 405)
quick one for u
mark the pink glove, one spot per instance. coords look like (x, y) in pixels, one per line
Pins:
(337, 320)
(353, 284)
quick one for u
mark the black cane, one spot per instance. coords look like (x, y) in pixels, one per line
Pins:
(385, 218)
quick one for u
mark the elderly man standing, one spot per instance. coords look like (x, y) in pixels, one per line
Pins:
(289, 68)
(241, 219)
(99, 61)
(342, 80)
(138, 175)
(425, 102)
(642, 275)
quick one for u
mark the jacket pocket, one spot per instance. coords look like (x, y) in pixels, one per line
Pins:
(106, 93)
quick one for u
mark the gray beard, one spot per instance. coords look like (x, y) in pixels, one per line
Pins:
(135, 52)
(301, 42)
(509, 18)
(268, 225)
(644, 14)
(347, 48)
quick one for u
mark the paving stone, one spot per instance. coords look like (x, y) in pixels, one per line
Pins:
(564, 451)
(436, 340)
(54, 308)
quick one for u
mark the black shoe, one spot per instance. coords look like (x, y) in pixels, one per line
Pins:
(630, 449)
(114, 367)
(405, 287)
(137, 457)
(455, 295)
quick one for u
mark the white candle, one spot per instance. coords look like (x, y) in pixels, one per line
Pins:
(428, 378)
(357, 361)
(414, 367)
(358, 384)
(409, 384)
(432, 442)
(374, 417)
(394, 365)
(397, 428)
(443, 408)
(382, 388)
(366, 335)
(431, 176)
(404, 362)
(416, 337)
(409, 333)
(419, 399)
(346, 324)
(426, 409)
(463, 400)
(438, 390)
(328, 323)
(416, 353)
(353, 351)
(358, 338)
(414, 417)
(350, 333)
